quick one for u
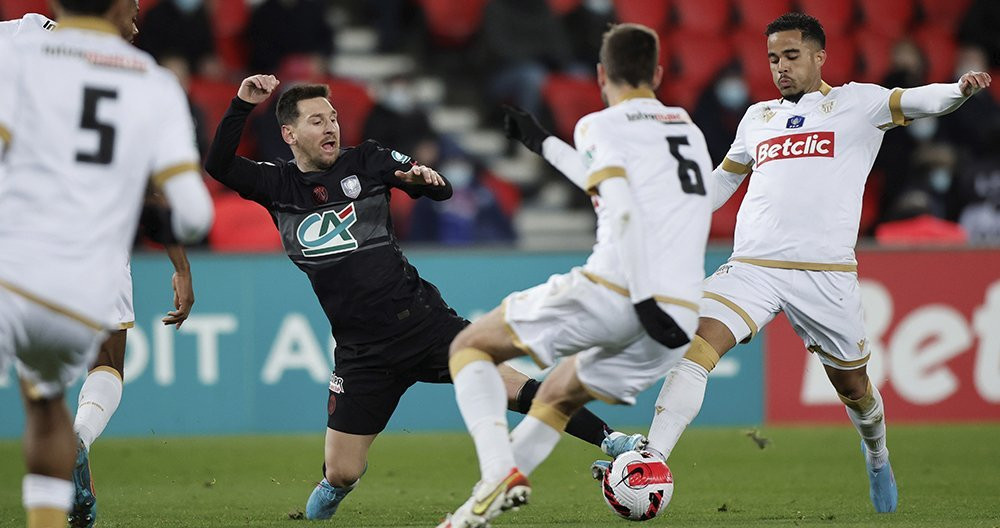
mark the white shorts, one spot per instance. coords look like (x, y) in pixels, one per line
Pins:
(50, 346)
(570, 315)
(124, 314)
(824, 308)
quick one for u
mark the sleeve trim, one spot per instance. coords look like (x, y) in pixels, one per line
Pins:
(734, 167)
(606, 173)
(896, 108)
(5, 135)
(160, 178)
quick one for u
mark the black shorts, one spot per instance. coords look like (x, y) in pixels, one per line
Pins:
(369, 379)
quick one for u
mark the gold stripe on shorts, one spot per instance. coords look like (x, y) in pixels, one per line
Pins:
(597, 279)
(516, 340)
(606, 173)
(161, 177)
(52, 307)
(126, 326)
(5, 135)
(804, 266)
(734, 307)
(840, 362)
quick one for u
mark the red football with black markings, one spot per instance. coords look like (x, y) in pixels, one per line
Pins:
(638, 486)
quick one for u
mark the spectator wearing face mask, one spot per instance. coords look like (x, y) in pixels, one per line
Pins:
(181, 28)
(473, 215)
(720, 109)
(397, 120)
(977, 194)
(970, 129)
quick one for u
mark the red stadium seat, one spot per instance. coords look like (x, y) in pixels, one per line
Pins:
(229, 19)
(680, 92)
(569, 99)
(704, 16)
(939, 48)
(11, 9)
(755, 15)
(212, 97)
(353, 105)
(944, 14)
(835, 15)
(696, 60)
(242, 225)
(875, 51)
(841, 60)
(889, 17)
(751, 51)
(561, 7)
(452, 22)
(653, 13)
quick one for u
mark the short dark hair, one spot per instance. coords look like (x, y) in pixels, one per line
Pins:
(630, 54)
(287, 109)
(87, 7)
(810, 27)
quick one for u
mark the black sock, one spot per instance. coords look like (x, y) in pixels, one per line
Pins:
(584, 424)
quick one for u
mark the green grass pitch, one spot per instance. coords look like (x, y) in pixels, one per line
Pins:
(948, 476)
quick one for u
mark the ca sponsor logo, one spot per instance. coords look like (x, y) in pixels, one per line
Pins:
(809, 145)
(328, 232)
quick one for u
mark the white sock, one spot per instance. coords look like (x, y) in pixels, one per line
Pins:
(99, 398)
(677, 405)
(532, 441)
(870, 424)
(40, 491)
(482, 400)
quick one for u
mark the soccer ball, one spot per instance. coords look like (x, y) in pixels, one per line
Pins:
(638, 486)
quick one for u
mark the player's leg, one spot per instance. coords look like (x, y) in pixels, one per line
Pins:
(739, 299)
(52, 350)
(102, 389)
(836, 334)
(345, 459)
(583, 424)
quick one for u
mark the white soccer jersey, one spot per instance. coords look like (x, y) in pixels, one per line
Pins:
(26, 25)
(810, 161)
(666, 164)
(91, 119)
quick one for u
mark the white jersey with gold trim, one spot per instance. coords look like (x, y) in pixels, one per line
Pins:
(666, 164)
(91, 119)
(810, 161)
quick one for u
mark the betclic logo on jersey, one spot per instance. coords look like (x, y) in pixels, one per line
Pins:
(808, 145)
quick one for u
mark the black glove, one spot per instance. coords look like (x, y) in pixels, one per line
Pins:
(659, 325)
(524, 127)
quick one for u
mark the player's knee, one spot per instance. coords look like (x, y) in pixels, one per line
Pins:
(341, 475)
(850, 384)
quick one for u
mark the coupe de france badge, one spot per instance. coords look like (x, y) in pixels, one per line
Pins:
(795, 122)
(351, 186)
(400, 157)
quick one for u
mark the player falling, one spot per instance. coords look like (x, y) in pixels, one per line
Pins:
(623, 319)
(101, 392)
(70, 189)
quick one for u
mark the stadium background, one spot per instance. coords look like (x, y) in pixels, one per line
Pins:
(425, 77)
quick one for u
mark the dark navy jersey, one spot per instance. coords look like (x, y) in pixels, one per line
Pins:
(335, 226)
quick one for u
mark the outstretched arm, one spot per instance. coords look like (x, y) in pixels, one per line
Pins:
(523, 126)
(935, 99)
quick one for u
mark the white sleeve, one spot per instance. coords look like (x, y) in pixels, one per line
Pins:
(566, 159)
(602, 156)
(8, 92)
(888, 108)
(176, 169)
(628, 234)
(734, 167)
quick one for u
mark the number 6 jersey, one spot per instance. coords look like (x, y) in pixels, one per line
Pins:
(663, 156)
(86, 120)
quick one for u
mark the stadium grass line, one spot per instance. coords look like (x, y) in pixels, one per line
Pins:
(806, 477)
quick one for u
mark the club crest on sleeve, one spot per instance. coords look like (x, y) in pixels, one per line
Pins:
(795, 122)
(351, 186)
(400, 157)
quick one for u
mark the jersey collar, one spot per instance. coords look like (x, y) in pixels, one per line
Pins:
(824, 90)
(86, 22)
(637, 93)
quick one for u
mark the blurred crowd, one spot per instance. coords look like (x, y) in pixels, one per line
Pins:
(937, 180)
